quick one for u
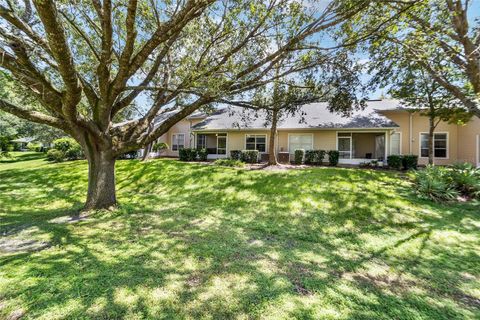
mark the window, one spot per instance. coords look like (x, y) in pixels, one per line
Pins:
(201, 141)
(178, 141)
(395, 141)
(440, 142)
(256, 142)
(300, 141)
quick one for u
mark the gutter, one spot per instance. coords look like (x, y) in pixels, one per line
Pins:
(410, 137)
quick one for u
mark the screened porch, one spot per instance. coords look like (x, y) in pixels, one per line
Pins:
(215, 143)
(357, 147)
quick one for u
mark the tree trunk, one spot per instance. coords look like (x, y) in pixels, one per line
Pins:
(101, 181)
(147, 150)
(272, 156)
(431, 151)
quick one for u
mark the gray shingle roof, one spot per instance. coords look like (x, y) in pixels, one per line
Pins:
(311, 116)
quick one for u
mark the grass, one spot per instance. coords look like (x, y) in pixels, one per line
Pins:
(197, 241)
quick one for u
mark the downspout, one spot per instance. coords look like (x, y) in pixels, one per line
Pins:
(410, 136)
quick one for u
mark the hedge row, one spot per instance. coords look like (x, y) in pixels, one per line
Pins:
(192, 154)
(316, 156)
(405, 162)
(248, 156)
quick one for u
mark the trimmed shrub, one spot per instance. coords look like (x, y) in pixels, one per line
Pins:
(333, 156)
(75, 152)
(395, 162)
(236, 154)
(432, 183)
(466, 179)
(229, 163)
(159, 146)
(63, 144)
(410, 161)
(34, 146)
(202, 154)
(128, 155)
(314, 156)
(298, 156)
(249, 156)
(187, 154)
(56, 155)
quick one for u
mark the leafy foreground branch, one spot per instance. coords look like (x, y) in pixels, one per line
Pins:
(86, 63)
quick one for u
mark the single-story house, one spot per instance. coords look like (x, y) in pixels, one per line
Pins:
(383, 128)
(23, 142)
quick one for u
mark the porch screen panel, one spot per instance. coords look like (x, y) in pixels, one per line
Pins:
(300, 141)
(345, 147)
(221, 143)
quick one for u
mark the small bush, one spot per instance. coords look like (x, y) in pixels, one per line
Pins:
(410, 161)
(236, 154)
(395, 162)
(333, 156)
(63, 144)
(55, 155)
(159, 146)
(33, 146)
(249, 156)
(314, 156)
(229, 163)
(75, 152)
(433, 183)
(298, 156)
(187, 154)
(202, 154)
(128, 155)
(466, 179)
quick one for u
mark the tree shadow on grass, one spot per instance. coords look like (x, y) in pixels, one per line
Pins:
(198, 241)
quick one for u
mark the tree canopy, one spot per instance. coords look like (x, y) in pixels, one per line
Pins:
(85, 62)
(441, 36)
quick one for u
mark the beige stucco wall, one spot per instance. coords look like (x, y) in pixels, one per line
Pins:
(467, 148)
(182, 126)
(420, 124)
(236, 139)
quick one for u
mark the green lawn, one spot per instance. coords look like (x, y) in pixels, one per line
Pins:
(196, 241)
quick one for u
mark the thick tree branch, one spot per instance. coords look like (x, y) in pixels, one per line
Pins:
(48, 13)
(33, 116)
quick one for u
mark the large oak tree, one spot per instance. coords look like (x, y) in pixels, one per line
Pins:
(86, 61)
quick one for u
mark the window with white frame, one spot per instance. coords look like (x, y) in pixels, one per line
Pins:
(256, 142)
(178, 141)
(395, 141)
(300, 141)
(440, 143)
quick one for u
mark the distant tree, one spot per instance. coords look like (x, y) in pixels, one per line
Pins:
(331, 78)
(85, 62)
(423, 29)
